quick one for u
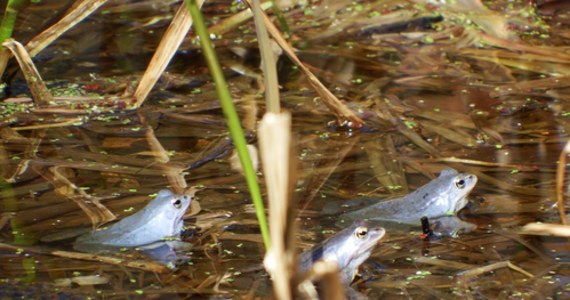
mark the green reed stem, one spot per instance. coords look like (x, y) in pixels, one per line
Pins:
(9, 18)
(231, 115)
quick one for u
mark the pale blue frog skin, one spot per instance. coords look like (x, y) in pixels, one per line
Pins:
(160, 219)
(443, 196)
(349, 248)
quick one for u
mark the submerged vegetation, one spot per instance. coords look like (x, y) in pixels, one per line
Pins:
(104, 103)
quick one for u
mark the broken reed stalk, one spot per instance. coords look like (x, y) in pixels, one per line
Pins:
(39, 90)
(171, 40)
(278, 168)
(267, 59)
(560, 174)
(232, 117)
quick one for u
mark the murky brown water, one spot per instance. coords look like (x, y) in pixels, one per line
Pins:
(498, 111)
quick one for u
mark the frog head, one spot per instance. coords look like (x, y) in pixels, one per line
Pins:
(458, 186)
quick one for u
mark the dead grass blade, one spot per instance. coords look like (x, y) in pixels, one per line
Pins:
(69, 122)
(465, 161)
(145, 265)
(38, 88)
(166, 49)
(489, 268)
(330, 100)
(80, 11)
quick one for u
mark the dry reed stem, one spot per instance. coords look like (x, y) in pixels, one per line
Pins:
(560, 175)
(145, 265)
(488, 268)
(173, 37)
(546, 229)
(327, 272)
(330, 100)
(79, 12)
(69, 122)
(39, 90)
(268, 60)
(333, 289)
(275, 145)
(466, 161)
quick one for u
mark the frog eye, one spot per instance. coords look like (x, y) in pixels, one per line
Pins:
(361, 232)
(177, 203)
(460, 183)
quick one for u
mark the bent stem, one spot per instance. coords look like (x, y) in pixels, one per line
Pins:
(231, 115)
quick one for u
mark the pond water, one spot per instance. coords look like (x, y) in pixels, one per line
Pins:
(488, 96)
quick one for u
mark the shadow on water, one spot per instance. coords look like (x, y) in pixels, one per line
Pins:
(429, 102)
